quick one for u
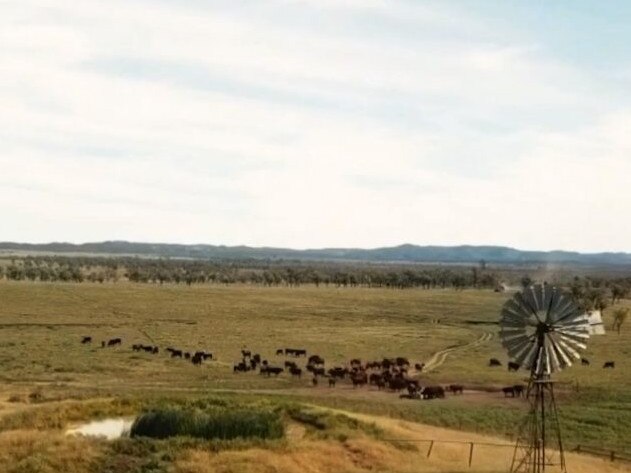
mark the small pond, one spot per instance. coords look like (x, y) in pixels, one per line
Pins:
(109, 428)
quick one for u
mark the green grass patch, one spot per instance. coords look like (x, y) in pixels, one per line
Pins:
(224, 424)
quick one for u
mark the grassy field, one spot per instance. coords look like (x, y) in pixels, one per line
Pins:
(40, 352)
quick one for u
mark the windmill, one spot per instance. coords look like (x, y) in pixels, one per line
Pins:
(543, 330)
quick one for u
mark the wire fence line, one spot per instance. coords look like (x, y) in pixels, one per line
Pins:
(584, 449)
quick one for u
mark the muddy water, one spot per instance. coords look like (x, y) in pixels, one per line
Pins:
(109, 428)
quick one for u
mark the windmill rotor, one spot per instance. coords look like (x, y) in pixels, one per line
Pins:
(543, 329)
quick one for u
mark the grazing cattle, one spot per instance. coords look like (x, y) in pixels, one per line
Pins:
(197, 359)
(85, 340)
(518, 390)
(509, 390)
(373, 365)
(609, 364)
(456, 388)
(246, 353)
(356, 362)
(414, 395)
(359, 379)
(256, 357)
(374, 378)
(156, 350)
(136, 347)
(494, 362)
(148, 348)
(419, 366)
(280, 352)
(400, 361)
(433, 392)
(397, 384)
(584, 362)
(240, 367)
(187, 355)
(295, 352)
(114, 341)
(512, 366)
(338, 372)
(295, 371)
(315, 360)
(289, 364)
(318, 371)
(253, 364)
(175, 353)
(269, 370)
(331, 382)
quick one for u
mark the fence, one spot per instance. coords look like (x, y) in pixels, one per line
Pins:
(585, 449)
(603, 452)
(471, 445)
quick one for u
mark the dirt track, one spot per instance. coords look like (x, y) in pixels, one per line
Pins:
(438, 358)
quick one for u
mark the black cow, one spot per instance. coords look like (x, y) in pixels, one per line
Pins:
(456, 388)
(187, 355)
(175, 353)
(397, 384)
(196, 359)
(518, 390)
(419, 366)
(584, 362)
(400, 361)
(331, 382)
(280, 352)
(246, 353)
(609, 364)
(114, 341)
(433, 392)
(275, 370)
(295, 371)
(315, 360)
(512, 366)
(509, 390)
(359, 379)
(85, 340)
(136, 347)
(240, 367)
(494, 362)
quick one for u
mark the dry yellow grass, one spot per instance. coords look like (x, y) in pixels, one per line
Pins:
(365, 454)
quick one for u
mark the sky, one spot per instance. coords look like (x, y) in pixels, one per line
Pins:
(317, 123)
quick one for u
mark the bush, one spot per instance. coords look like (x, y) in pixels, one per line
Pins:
(215, 424)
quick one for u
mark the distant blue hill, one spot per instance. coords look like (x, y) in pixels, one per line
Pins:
(402, 253)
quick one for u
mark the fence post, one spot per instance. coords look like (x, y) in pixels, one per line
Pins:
(470, 454)
(431, 445)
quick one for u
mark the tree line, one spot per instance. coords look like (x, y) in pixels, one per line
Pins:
(593, 292)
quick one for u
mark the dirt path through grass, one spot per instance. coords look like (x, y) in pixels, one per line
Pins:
(439, 357)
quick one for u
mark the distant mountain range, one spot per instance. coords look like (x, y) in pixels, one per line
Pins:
(402, 253)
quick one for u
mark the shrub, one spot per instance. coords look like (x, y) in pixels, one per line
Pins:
(214, 424)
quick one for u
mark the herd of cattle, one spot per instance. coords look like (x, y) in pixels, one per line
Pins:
(391, 374)
(388, 373)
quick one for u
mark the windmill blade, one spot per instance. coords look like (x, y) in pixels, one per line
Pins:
(556, 340)
(527, 304)
(551, 354)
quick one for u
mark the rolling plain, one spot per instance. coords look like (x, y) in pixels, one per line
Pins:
(50, 380)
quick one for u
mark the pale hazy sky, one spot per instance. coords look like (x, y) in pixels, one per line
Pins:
(317, 123)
